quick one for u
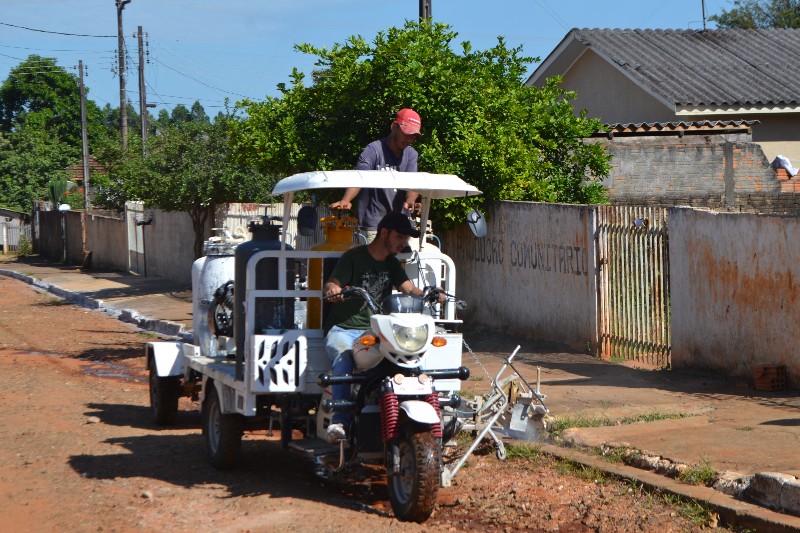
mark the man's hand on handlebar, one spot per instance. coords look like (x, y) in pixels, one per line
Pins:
(332, 292)
(435, 295)
(342, 204)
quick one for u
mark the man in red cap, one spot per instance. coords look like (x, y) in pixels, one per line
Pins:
(392, 152)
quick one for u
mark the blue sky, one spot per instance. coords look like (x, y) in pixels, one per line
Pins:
(211, 50)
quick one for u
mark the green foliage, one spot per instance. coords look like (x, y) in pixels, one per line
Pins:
(24, 246)
(699, 474)
(56, 188)
(559, 424)
(751, 14)
(568, 467)
(40, 129)
(187, 168)
(523, 451)
(479, 121)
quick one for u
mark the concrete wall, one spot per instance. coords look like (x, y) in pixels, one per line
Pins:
(106, 239)
(715, 171)
(168, 243)
(735, 292)
(534, 273)
(73, 229)
(49, 241)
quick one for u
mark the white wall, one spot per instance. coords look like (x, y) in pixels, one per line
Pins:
(535, 272)
(735, 286)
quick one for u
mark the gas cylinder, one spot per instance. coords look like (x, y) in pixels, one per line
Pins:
(209, 273)
(271, 315)
(338, 231)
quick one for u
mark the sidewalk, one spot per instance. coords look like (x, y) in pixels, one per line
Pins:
(672, 419)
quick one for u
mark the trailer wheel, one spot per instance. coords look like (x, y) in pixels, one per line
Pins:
(222, 432)
(164, 396)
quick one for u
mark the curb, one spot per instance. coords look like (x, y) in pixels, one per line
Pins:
(732, 511)
(130, 316)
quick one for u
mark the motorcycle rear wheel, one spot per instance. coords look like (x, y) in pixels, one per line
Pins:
(414, 489)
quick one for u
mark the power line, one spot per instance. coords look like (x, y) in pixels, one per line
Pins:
(56, 32)
(198, 81)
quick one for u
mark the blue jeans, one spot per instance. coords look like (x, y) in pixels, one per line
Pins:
(339, 347)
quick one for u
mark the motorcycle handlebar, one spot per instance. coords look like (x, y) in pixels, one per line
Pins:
(429, 295)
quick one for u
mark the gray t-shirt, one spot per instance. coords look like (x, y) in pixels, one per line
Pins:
(373, 204)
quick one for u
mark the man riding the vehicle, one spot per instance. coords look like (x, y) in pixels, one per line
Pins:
(375, 268)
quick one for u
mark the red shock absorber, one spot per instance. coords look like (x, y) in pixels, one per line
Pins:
(390, 412)
(436, 429)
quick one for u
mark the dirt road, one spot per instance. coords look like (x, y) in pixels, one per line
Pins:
(78, 452)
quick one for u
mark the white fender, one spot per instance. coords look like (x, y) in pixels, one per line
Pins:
(225, 394)
(168, 357)
(420, 411)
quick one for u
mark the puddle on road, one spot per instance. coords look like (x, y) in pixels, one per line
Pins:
(112, 371)
(100, 369)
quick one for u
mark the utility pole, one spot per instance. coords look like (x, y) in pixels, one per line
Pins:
(84, 140)
(142, 94)
(123, 108)
(703, 5)
(425, 10)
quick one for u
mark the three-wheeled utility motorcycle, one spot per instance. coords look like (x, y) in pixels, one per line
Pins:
(258, 353)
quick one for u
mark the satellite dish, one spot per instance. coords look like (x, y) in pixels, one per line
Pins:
(477, 223)
(307, 220)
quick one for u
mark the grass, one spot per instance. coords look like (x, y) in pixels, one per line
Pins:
(698, 513)
(464, 439)
(701, 473)
(559, 424)
(616, 455)
(523, 451)
(567, 467)
(744, 428)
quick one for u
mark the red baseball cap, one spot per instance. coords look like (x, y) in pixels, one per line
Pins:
(409, 121)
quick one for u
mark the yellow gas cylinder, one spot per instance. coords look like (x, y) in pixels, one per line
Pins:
(338, 231)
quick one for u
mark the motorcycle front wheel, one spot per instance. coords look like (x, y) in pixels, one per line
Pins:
(414, 487)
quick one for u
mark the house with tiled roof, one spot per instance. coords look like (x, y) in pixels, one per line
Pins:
(693, 116)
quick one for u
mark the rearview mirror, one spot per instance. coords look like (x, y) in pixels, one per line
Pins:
(477, 223)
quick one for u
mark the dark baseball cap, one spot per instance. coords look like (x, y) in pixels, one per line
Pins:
(400, 223)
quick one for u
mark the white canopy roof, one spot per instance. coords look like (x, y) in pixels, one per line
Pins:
(427, 184)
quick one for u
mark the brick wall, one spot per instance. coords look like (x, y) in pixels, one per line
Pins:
(724, 172)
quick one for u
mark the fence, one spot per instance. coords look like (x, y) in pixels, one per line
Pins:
(14, 236)
(634, 304)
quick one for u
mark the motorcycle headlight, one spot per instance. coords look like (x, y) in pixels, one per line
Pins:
(410, 339)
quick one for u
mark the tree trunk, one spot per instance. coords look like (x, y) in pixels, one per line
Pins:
(199, 215)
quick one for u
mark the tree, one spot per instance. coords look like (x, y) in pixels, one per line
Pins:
(479, 120)
(41, 129)
(187, 168)
(752, 14)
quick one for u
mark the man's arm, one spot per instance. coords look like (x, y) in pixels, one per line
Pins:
(347, 199)
(408, 287)
(411, 201)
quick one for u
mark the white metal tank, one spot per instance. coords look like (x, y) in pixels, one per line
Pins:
(209, 273)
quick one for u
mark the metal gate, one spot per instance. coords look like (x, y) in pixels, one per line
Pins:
(634, 303)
